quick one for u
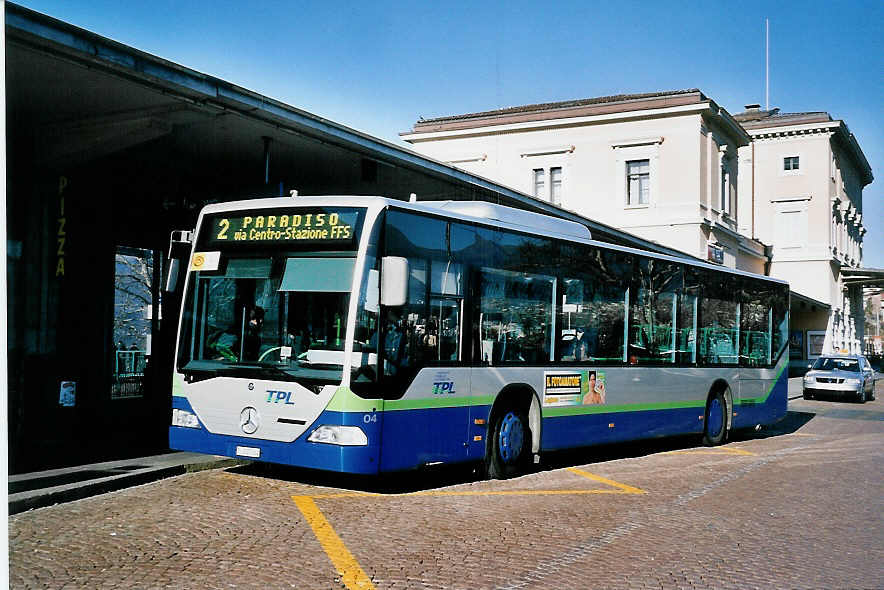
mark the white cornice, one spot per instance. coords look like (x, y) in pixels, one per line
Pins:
(787, 130)
(556, 123)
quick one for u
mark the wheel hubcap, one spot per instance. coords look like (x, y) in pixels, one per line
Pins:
(511, 437)
(715, 420)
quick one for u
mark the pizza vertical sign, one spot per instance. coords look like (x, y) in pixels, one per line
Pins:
(61, 232)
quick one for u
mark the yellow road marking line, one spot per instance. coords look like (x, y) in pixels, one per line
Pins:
(488, 493)
(720, 451)
(352, 575)
(621, 486)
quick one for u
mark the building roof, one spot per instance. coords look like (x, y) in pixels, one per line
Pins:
(753, 118)
(570, 109)
(567, 104)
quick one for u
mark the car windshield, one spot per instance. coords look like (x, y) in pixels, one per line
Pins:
(840, 364)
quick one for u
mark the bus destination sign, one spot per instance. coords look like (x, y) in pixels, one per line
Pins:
(330, 226)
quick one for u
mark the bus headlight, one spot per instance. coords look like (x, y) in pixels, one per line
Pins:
(348, 436)
(184, 418)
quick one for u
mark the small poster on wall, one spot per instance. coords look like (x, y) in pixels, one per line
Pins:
(796, 344)
(67, 394)
(815, 341)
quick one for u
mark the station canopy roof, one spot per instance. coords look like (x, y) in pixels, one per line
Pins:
(77, 96)
(867, 277)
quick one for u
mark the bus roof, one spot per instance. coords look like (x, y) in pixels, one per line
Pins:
(479, 212)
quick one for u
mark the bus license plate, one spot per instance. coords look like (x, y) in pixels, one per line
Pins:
(252, 452)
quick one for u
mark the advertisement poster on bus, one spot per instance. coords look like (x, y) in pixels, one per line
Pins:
(573, 388)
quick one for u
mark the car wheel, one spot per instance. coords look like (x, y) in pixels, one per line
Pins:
(510, 444)
(806, 395)
(861, 398)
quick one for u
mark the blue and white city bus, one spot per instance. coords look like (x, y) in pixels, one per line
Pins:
(368, 335)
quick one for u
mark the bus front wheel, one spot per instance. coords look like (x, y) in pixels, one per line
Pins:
(510, 446)
(715, 424)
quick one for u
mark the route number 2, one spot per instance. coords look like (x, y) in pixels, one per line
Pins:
(225, 225)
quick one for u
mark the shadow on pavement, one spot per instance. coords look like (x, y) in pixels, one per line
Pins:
(791, 423)
(390, 483)
(442, 476)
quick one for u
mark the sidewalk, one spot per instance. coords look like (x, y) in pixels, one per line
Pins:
(796, 387)
(54, 486)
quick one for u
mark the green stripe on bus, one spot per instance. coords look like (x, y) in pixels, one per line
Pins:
(620, 408)
(345, 400)
(444, 402)
(762, 399)
(178, 384)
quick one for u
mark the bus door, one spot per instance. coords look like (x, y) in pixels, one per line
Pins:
(423, 369)
(442, 341)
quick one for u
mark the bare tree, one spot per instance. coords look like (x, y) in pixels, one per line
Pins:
(132, 298)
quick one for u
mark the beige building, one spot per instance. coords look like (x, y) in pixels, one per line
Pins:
(763, 191)
(807, 177)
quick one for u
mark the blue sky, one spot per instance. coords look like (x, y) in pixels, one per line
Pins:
(379, 66)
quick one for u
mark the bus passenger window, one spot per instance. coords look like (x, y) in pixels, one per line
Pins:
(719, 333)
(652, 330)
(516, 316)
(755, 343)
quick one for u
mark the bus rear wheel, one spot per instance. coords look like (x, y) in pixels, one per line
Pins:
(715, 424)
(510, 444)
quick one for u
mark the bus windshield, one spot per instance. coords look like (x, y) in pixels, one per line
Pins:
(270, 322)
(269, 303)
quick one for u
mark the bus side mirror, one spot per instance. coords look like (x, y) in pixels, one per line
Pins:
(394, 281)
(179, 250)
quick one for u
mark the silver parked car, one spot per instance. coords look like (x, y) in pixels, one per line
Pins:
(847, 375)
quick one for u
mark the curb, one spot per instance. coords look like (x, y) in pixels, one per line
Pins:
(32, 499)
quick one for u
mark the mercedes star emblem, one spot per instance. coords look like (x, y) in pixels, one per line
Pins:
(248, 420)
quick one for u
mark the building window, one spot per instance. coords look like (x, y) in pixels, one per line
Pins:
(725, 193)
(539, 183)
(790, 163)
(791, 225)
(833, 234)
(555, 185)
(638, 182)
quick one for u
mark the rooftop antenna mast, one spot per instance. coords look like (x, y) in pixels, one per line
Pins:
(767, 64)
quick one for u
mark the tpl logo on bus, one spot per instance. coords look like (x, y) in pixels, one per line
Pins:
(443, 387)
(277, 397)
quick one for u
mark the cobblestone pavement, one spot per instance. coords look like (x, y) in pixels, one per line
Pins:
(799, 506)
